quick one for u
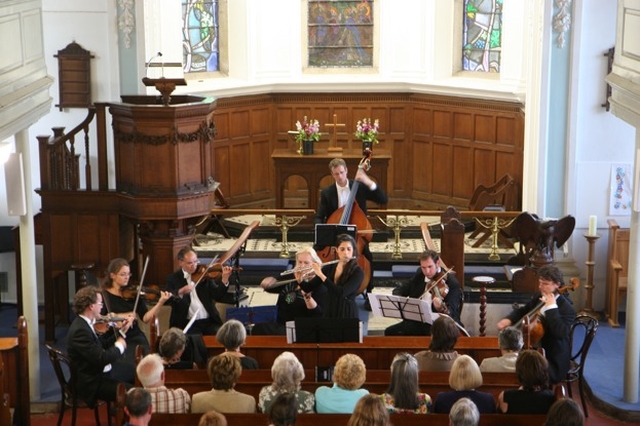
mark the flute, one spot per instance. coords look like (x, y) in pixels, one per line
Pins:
(307, 268)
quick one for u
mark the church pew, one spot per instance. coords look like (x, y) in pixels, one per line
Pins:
(14, 375)
(377, 352)
(342, 419)
(377, 381)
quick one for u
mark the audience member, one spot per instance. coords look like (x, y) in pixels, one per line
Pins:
(369, 411)
(510, 341)
(224, 371)
(172, 350)
(534, 395)
(212, 418)
(232, 335)
(464, 379)
(150, 372)
(565, 412)
(138, 407)
(93, 355)
(403, 394)
(464, 413)
(287, 373)
(283, 411)
(441, 355)
(348, 376)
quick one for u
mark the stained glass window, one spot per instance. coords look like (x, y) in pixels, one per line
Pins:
(200, 36)
(481, 37)
(340, 33)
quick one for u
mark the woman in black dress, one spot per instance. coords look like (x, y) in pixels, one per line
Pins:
(342, 280)
(118, 274)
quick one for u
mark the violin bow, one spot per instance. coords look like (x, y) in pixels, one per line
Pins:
(435, 283)
(144, 272)
(213, 261)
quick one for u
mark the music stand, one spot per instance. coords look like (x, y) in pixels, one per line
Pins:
(233, 256)
(327, 233)
(400, 307)
(324, 330)
(252, 315)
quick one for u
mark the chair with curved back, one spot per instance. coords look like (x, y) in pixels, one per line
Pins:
(583, 330)
(66, 375)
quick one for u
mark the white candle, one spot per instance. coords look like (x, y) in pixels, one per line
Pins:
(593, 225)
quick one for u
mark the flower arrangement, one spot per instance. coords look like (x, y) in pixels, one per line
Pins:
(308, 130)
(367, 130)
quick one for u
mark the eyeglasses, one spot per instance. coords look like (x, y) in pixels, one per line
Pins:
(125, 274)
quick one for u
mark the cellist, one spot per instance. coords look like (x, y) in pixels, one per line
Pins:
(556, 315)
(334, 196)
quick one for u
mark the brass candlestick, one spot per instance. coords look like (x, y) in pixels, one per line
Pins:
(284, 223)
(396, 223)
(591, 239)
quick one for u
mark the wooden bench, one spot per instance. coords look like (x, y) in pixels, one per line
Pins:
(14, 376)
(617, 269)
(377, 381)
(377, 352)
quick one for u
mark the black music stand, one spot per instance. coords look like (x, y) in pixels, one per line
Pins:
(325, 330)
(400, 307)
(327, 233)
(252, 315)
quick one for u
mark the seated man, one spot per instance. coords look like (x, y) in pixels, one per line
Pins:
(429, 282)
(511, 342)
(150, 372)
(138, 407)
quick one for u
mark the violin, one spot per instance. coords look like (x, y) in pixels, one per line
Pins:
(151, 292)
(210, 272)
(437, 287)
(104, 322)
(533, 329)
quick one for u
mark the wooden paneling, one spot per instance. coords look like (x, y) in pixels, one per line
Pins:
(442, 147)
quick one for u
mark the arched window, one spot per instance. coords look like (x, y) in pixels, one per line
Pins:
(482, 35)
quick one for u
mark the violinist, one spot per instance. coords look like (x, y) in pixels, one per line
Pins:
(333, 197)
(445, 295)
(555, 316)
(118, 275)
(196, 300)
(302, 296)
(93, 355)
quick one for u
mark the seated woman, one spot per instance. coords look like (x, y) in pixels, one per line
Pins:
(287, 373)
(565, 412)
(171, 348)
(283, 411)
(212, 418)
(369, 411)
(348, 376)
(441, 355)
(232, 335)
(534, 395)
(464, 379)
(224, 371)
(403, 394)
(510, 341)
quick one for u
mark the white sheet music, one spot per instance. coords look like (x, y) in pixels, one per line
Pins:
(390, 306)
(259, 297)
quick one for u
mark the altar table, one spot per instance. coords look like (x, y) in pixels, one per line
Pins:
(312, 168)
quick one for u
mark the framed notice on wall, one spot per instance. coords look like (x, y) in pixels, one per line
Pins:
(621, 190)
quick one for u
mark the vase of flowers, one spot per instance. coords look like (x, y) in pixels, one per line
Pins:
(367, 132)
(308, 133)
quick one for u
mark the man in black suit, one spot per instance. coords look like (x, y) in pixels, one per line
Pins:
(335, 196)
(556, 315)
(91, 354)
(195, 300)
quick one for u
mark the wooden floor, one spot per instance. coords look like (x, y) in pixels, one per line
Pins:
(86, 418)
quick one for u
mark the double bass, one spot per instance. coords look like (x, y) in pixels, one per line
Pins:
(352, 214)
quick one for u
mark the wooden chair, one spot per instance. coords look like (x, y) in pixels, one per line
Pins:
(66, 375)
(617, 269)
(583, 330)
(502, 196)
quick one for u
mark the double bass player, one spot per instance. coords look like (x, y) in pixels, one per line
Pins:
(335, 196)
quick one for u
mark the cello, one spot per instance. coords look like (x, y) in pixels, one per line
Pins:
(352, 214)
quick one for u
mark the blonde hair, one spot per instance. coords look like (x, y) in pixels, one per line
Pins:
(212, 418)
(465, 374)
(349, 372)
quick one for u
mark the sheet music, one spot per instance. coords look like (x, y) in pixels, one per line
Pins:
(390, 306)
(260, 297)
(191, 321)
